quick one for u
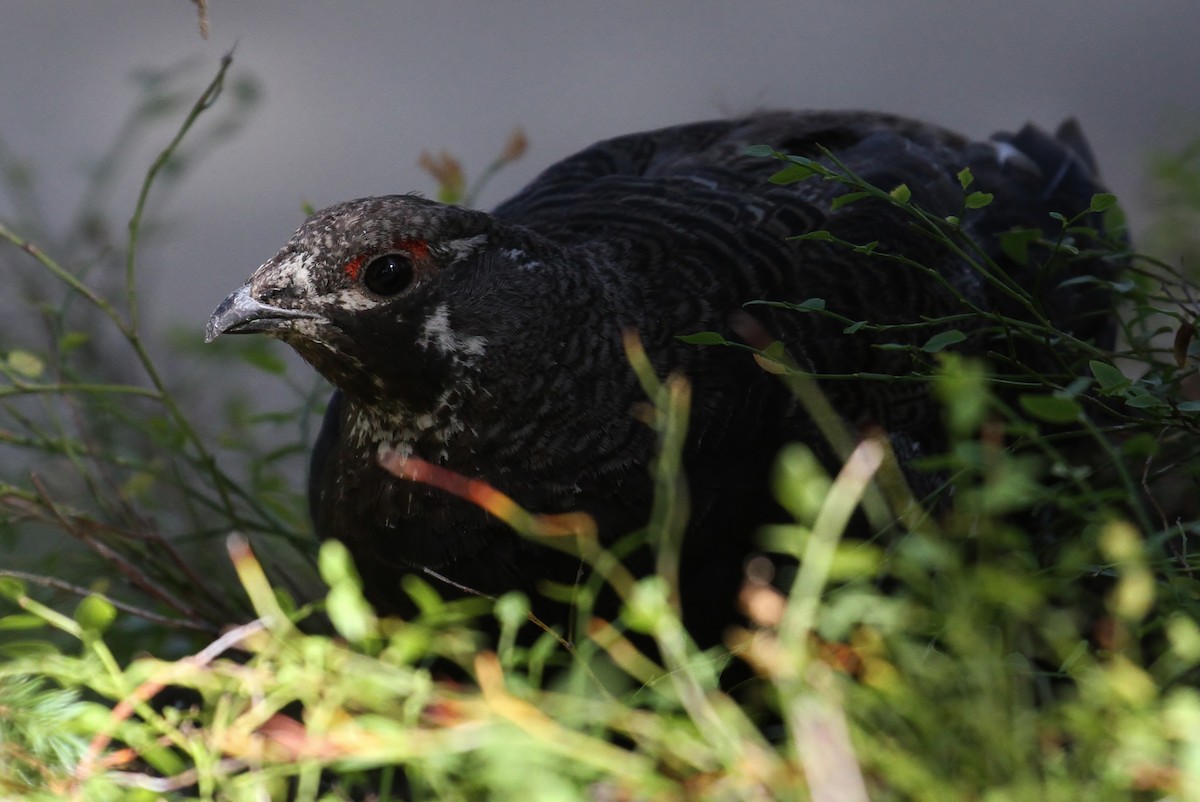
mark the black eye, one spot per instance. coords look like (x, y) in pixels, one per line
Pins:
(388, 274)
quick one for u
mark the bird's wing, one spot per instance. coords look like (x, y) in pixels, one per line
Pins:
(327, 441)
(694, 186)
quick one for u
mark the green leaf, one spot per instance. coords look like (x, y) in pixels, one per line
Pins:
(1015, 243)
(1051, 408)
(164, 761)
(1110, 378)
(1076, 387)
(791, 174)
(422, 593)
(349, 613)
(942, 339)
(961, 385)
(704, 338)
(1188, 406)
(759, 150)
(1141, 399)
(1114, 223)
(1142, 445)
(1102, 201)
(854, 327)
(855, 561)
(647, 605)
(849, 197)
(25, 364)
(164, 431)
(965, 178)
(901, 194)
(810, 304)
(335, 564)
(21, 621)
(512, 609)
(820, 235)
(72, 340)
(95, 613)
(139, 484)
(977, 200)
(800, 482)
(1184, 635)
(12, 588)
(27, 648)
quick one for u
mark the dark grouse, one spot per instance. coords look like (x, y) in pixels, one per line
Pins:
(491, 344)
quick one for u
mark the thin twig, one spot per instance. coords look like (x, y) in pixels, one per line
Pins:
(124, 565)
(78, 590)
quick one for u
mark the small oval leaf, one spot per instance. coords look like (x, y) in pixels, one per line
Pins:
(1015, 243)
(1110, 378)
(1051, 408)
(703, 338)
(350, 613)
(26, 364)
(820, 235)
(1141, 399)
(942, 340)
(12, 588)
(95, 613)
(21, 621)
(791, 174)
(849, 197)
(335, 564)
(977, 200)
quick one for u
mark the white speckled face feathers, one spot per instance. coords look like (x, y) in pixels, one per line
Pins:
(326, 259)
(361, 292)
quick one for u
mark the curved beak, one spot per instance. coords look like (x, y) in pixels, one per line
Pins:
(240, 313)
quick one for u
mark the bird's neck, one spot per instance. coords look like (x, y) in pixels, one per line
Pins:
(390, 427)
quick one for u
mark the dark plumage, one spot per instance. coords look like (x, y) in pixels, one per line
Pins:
(491, 343)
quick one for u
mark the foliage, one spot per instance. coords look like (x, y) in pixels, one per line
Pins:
(1032, 637)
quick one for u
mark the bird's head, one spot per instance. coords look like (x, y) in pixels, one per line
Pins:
(377, 295)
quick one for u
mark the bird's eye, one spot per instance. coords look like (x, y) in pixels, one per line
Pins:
(388, 274)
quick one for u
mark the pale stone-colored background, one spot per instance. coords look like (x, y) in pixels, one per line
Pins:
(352, 92)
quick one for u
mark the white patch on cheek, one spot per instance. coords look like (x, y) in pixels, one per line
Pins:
(350, 299)
(437, 333)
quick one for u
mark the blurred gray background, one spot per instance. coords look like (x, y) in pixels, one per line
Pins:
(352, 92)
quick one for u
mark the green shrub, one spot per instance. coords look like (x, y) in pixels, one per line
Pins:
(1034, 637)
